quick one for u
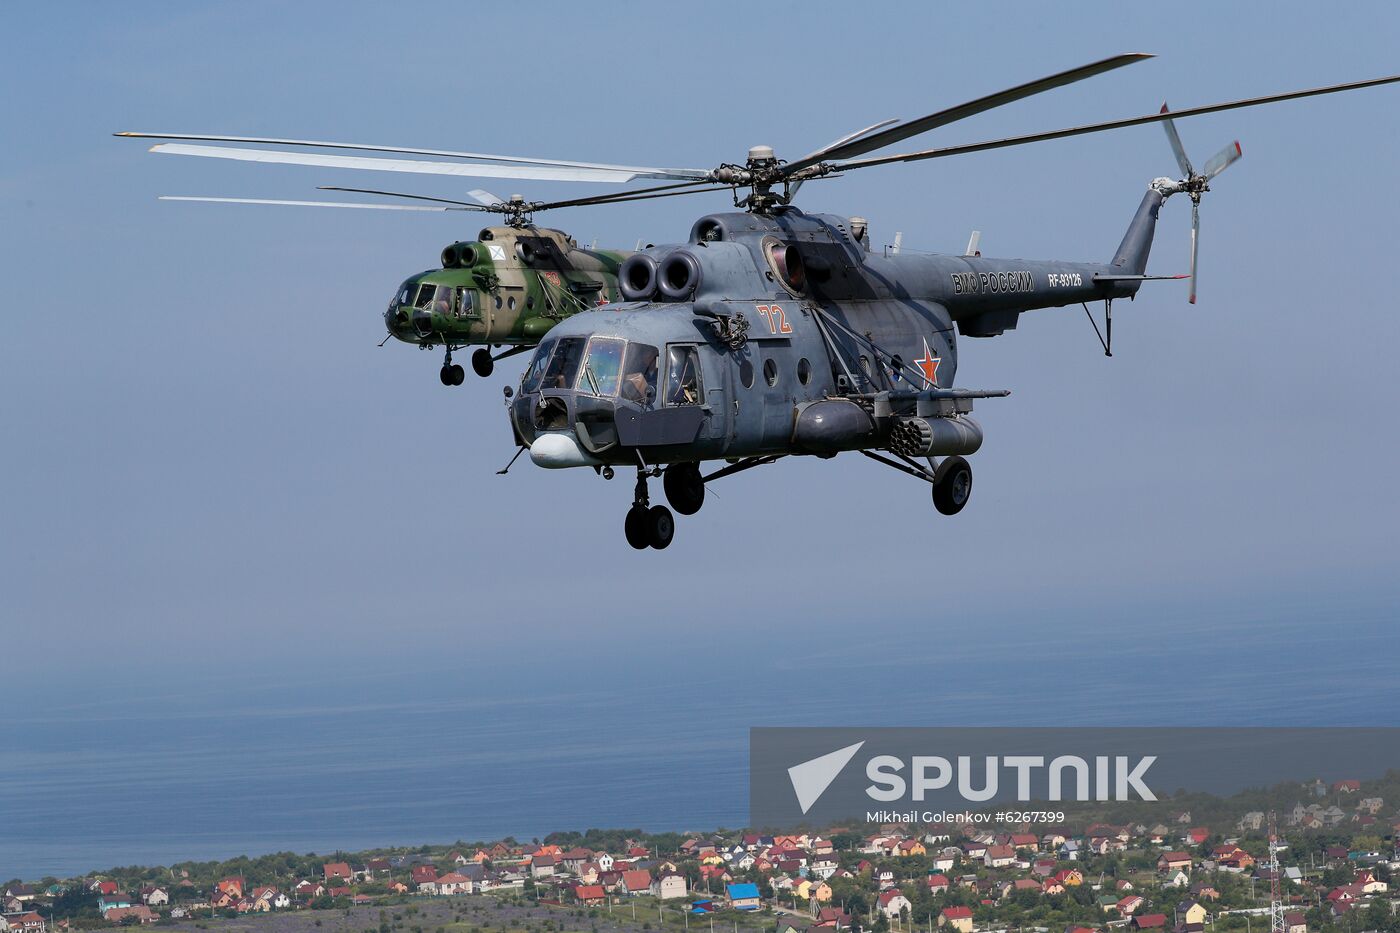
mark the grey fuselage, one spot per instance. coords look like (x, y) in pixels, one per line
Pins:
(813, 354)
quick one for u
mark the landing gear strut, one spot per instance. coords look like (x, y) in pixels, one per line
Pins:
(648, 525)
(451, 373)
(951, 479)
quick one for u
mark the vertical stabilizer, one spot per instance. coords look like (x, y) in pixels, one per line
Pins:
(1131, 258)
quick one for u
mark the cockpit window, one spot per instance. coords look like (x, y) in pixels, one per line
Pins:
(406, 292)
(602, 366)
(466, 306)
(435, 298)
(682, 376)
(639, 373)
(535, 373)
(562, 368)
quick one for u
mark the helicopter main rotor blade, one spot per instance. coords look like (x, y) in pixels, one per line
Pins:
(500, 206)
(1178, 149)
(368, 207)
(869, 143)
(849, 137)
(641, 194)
(465, 205)
(1109, 125)
(1195, 246)
(642, 171)
(465, 169)
(796, 186)
(1222, 160)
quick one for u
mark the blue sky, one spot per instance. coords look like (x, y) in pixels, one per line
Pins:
(209, 461)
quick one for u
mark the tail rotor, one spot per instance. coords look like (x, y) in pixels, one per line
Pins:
(1195, 184)
(1195, 244)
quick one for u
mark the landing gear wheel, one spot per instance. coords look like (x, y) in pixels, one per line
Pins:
(952, 485)
(638, 527)
(445, 374)
(452, 375)
(685, 489)
(459, 375)
(482, 364)
(661, 526)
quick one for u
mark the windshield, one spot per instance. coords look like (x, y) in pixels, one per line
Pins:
(535, 372)
(435, 298)
(562, 365)
(602, 366)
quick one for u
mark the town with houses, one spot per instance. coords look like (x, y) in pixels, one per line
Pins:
(1329, 868)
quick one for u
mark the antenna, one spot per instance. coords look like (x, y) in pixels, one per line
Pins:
(1277, 923)
(973, 243)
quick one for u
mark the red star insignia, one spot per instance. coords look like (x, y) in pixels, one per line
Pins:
(929, 365)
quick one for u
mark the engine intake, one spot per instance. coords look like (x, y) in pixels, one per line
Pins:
(460, 255)
(637, 278)
(679, 275)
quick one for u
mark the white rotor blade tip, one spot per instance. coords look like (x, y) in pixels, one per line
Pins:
(485, 197)
(1223, 159)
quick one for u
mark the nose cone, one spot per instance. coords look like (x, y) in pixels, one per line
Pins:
(397, 322)
(560, 451)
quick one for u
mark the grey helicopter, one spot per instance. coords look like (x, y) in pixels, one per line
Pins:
(771, 332)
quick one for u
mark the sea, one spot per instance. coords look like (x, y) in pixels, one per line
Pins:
(161, 763)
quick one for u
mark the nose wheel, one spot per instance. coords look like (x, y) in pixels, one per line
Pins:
(451, 374)
(648, 525)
